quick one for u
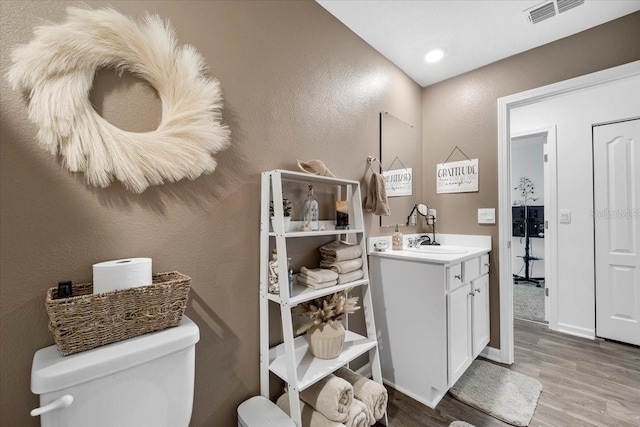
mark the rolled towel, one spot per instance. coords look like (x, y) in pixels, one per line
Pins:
(340, 251)
(342, 267)
(358, 415)
(350, 277)
(306, 281)
(331, 396)
(310, 417)
(369, 392)
(319, 274)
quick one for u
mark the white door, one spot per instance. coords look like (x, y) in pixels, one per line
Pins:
(616, 176)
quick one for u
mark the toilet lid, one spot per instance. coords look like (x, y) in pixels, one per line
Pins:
(51, 372)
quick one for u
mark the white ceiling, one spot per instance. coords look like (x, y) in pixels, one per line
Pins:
(473, 32)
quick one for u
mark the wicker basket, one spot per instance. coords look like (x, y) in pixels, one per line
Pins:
(85, 320)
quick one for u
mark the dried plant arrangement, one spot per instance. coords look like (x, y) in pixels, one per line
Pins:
(57, 68)
(328, 309)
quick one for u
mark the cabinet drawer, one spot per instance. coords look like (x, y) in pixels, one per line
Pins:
(484, 264)
(454, 277)
(471, 269)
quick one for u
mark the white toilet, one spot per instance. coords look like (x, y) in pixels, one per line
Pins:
(145, 381)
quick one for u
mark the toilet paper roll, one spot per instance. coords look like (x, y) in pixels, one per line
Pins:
(121, 274)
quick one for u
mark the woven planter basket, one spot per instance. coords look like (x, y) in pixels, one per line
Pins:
(85, 320)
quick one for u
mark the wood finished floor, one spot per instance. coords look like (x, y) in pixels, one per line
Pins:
(585, 384)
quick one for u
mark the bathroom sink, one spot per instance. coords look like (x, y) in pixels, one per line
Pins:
(449, 250)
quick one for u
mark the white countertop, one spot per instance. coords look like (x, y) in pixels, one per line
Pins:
(445, 259)
(472, 246)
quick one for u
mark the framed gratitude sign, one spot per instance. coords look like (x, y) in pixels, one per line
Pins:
(398, 182)
(457, 177)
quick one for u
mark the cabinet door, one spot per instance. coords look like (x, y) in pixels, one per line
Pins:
(480, 310)
(459, 329)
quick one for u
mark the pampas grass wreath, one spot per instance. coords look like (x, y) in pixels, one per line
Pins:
(56, 70)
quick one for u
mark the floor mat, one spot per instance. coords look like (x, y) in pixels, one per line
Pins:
(504, 394)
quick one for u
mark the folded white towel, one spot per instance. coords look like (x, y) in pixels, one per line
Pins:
(331, 396)
(343, 267)
(310, 417)
(340, 251)
(369, 392)
(319, 274)
(306, 281)
(350, 277)
(358, 415)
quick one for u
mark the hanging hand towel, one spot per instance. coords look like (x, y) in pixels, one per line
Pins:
(376, 199)
(310, 417)
(369, 392)
(369, 199)
(319, 274)
(331, 396)
(343, 267)
(358, 415)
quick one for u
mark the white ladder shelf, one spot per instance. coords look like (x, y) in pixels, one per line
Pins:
(291, 361)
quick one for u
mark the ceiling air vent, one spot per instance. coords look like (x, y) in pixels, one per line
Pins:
(564, 5)
(541, 13)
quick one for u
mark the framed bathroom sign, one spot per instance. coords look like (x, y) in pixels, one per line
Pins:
(398, 182)
(457, 177)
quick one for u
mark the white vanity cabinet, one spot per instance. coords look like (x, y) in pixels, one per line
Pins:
(432, 318)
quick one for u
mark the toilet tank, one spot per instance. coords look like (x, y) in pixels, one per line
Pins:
(146, 381)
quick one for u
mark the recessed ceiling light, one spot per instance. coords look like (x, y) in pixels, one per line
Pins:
(434, 55)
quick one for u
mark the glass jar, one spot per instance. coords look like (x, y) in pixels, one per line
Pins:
(310, 216)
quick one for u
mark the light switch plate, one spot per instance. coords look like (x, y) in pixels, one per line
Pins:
(487, 216)
(565, 216)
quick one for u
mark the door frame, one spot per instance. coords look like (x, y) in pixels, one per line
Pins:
(506, 352)
(550, 176)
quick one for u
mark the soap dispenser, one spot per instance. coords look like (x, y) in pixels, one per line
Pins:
(396, 240)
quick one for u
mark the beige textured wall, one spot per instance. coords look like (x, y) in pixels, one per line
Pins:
(462, 111)
(296, 84)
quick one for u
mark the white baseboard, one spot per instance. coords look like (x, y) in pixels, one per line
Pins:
(577, 331)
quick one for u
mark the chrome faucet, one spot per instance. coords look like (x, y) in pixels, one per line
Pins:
(417, 241)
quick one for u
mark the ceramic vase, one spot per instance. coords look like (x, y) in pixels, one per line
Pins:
(325, 340)
(287, 223)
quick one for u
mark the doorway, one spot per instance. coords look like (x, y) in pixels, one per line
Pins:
(532, 198)
(576, 294)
